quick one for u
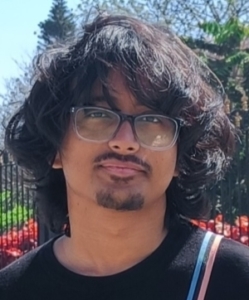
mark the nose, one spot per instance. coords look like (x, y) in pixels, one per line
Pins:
(124, 142)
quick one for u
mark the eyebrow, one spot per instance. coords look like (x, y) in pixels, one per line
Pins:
(102, 98)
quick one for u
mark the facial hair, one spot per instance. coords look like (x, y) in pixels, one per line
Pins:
(132, 202)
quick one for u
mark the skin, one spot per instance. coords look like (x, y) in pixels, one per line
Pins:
(106, 241)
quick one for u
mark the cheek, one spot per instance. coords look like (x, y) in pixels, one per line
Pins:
(75, 168)
(165, 167)
(76, 158)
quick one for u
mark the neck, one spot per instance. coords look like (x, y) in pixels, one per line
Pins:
(105, 242)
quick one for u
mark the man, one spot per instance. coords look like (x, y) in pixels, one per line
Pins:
(122, 132)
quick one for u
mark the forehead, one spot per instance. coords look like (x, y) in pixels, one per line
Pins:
(115, 83)
(114, 89)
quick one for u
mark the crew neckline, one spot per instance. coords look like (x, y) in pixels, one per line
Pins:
(160, 257)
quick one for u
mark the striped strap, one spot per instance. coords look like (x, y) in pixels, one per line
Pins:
(206, 259)
(198, 265)
(209, 267)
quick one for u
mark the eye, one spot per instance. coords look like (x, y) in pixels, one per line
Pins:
(150, 119)
(97, 114)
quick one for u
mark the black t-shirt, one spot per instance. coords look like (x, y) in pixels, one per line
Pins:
(164, 274)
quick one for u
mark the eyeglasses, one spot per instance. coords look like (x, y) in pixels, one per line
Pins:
(153, 131)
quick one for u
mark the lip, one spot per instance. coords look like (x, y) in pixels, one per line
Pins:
(123, 169)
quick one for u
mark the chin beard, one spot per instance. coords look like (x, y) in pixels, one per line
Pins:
(131, 202)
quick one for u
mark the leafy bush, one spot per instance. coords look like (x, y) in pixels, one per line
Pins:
(12, 214)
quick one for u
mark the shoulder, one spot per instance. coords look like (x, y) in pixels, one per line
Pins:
(22, 271)
(234, 256)
(13, 273)
(230, 252)
(230, 276)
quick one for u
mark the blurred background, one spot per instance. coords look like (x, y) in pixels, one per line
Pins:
(218, 32)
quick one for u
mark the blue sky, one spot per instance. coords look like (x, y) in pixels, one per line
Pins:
(18, 22)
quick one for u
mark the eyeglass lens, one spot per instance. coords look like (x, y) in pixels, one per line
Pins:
(99, 124)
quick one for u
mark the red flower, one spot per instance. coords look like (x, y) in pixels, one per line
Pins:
(245, 240)
(243, 223)
(211, 225)
(235, 233)
(15, 243)
(238, 232)
(14, 252)
(219, 218)
(199, 223)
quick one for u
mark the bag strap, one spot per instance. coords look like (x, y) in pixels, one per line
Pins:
(209, 266)
(198, 265)
(206, 258)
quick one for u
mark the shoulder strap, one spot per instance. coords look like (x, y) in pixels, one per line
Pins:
(206, 258)
(198, 265)
(209, 266)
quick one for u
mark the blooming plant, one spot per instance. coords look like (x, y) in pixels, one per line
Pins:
(12, 213)
(238, 231)
(15, 243)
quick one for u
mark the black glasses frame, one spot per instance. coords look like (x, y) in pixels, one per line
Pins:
(131, 119)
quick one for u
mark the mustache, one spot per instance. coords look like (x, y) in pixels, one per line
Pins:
(123, 158)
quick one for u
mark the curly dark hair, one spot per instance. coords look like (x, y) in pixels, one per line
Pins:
(161, 72)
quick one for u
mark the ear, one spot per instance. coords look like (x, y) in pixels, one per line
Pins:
(57, 164)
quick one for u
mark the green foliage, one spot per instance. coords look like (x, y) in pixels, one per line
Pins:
(224, 50)
(4, 196)
(59, 25)
(231, 31)
(12, 214)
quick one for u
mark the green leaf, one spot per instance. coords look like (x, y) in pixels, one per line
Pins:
(4, 196)
(238, 58)
(211, 28)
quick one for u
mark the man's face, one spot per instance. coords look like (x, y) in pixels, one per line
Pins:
(98, 172)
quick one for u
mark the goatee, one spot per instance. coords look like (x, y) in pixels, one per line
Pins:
(131, 202)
